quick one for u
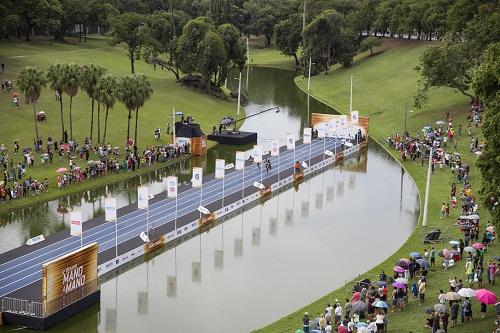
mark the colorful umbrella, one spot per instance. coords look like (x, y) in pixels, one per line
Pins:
(355, 297)
(490, 228)
(441, 308)
(415, 255)
(380, 304)
(62, 170)
(467, 292)
(423, 263)
(469, 249)
(452, 296)
(361, 324)
(399, 269)
(399, 285)
(381, 284)
(478, 246)
(485, 296)
(403, 263)
(401, 280)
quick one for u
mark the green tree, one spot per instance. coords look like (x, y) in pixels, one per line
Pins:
(105, 92)
(35, 14)
(71, 75)
(55, 79)
(144, 92)
(30, 82)
(189, 47)
(128, 93)
(89, 77)
(369, 43)
(288, 36)
(213, 57)
(128, 29)
(264, 21)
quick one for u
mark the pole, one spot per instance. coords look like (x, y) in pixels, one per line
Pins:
(116, 238)
(309, 76)
(427, 188)
(278, 166)
(201, 196)
(239, 95)
(243, 184)
(248, 65)
(223, 192)
(175, 221)
(350, 98)
(81, 238)
(173, 124)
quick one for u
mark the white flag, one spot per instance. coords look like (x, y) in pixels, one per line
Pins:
(197, 179)
(110, 209)
(257, 154)
(172, 186)
(219, 168)
(240, 160)
(307, 135)
(76, 224)
(290, 142)
(142, 197)
(275, 148)
(354, 117)
(321, 131)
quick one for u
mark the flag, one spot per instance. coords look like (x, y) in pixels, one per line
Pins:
(354, 117)
(110, 209)
(307, 135)
(257, 154)
(321, 131)
(219, 168)
(142, 197)
(197, 179)
(76, 224)
(172, 186)
(275, 148)
(290, 142)
(240, 160)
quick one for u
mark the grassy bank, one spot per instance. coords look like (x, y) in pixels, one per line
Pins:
(383, 84)
(17, 124)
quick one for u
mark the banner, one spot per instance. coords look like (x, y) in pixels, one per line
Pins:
(142, 197)
(290, 142)
(110, 209)
(275, 148)
(240, 160)
(142, 302)
(354, 117)
(307, 135)
(321, 131)
(257, 154)
(76, 224)
(219, 168)
(197, 179)
(341, 126)
(172, 183)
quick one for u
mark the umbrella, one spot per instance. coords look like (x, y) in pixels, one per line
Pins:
(472, 217)
(355, 297)
(403, 263)
(452, 296)
(359, 307)
(399, 269)
(380, 304)
(423, 263)
(381, 284)
(399, 285)
(415, 255)
(490, 228)
(497, 258)
(469, 249)
(62, 170)
(440, 308)
(428, 310)
(467, 292)
(454, 243)
(401, 280)
(485, 296)
(440, 123)
(478, 246)
(361, 324)
(478, 152)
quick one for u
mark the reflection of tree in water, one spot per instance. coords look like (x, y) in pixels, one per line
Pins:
(39, 219)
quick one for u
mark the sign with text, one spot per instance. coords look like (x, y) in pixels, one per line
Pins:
(240, 160)
(219, 168)
(172, 186)
(110, 209)
(197, 179)
(142, 197)
(257, 154)
(76, 224)
(307, 135)
(275, 148)
(341, 126)
(290, 142)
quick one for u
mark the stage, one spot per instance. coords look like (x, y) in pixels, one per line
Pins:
(233, 137)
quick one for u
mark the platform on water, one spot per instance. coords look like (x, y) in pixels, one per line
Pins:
(236, 138)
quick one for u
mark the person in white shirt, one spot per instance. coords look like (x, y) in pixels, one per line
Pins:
(372, 327)
(338, 313)
(328, 328)
(441, 297)
(380, 322)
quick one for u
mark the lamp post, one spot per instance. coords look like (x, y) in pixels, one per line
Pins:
(406, 116)
(239, 94)
(427, 189)
(248, 64)
(309, 76)
(350, 98)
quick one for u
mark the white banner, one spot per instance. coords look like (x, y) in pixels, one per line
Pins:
(330, 131)
(219, 168)
(307, 135)
(172, 183)
(321, 131)
(76, 224)
(290, 142)
(354, 117)
(240, 160)
(197, 179)
(275, 148)
(343, 121)
(142, 197)
(229, 166)
(203, 210)
(110, 209)
(257, 154)
(329, 153)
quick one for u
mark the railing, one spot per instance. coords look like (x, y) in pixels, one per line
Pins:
(40, 310)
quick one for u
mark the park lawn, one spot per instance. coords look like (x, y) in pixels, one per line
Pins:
(18, 123)
(270, 57)
(382, 86)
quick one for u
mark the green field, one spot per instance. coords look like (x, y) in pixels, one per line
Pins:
(18, 123)
(383, 84)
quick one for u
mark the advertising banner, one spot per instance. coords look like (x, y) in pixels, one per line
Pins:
(172, 183)
(142, 197)
(354, 117)
(290, 142)
(275, 148)
(240, 160)
(341, 126)
(110, 209)
(307, 135)
(76, 223)
(321, 131)
(197, 179)
(257, 154)
(219, 168)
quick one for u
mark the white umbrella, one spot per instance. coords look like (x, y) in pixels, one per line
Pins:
(467, 292)
(454, 242)
(451, 296)
(472, 217)
(401, 280)
(440, 122)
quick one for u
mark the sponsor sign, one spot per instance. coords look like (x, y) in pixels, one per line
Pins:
(257, 154)
(354, 117)
(203, 210)
(142, 197)
(341, 126)
(307, 135)
(34, 240)
(172, 183)
(229, 166)
(76, 224)
(219, 168)
(240, 160)
(110, 209)
(328, 153)
(275, 148)
(321, 131)
(197, 179)
(290, 142)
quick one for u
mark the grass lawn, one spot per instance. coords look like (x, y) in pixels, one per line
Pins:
(18, 123)
(383, 84)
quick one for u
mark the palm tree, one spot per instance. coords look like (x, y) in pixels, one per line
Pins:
(90, 76)
(105, 93)
(144, 93)
(55, 79)
(30, 81)
(126, 93)
(71, 81)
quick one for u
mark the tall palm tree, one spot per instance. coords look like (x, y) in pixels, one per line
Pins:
(144, 93)
(126, 93)
(90, 76)
(71, 82)
(55, 79)
(105, 93)
(30, 81)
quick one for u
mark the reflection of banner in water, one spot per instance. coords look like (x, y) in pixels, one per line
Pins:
(238, 247)
(289, 217)
(142, 302)
(171, 286)
(340, 125)
(319, 200)
(330, 191)
(196, 271)
(255, 236)
(273, 226)
(110, 324)
(340, 188)
(304, 211)
(357, 162)
(219, 259)
(352, 182)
